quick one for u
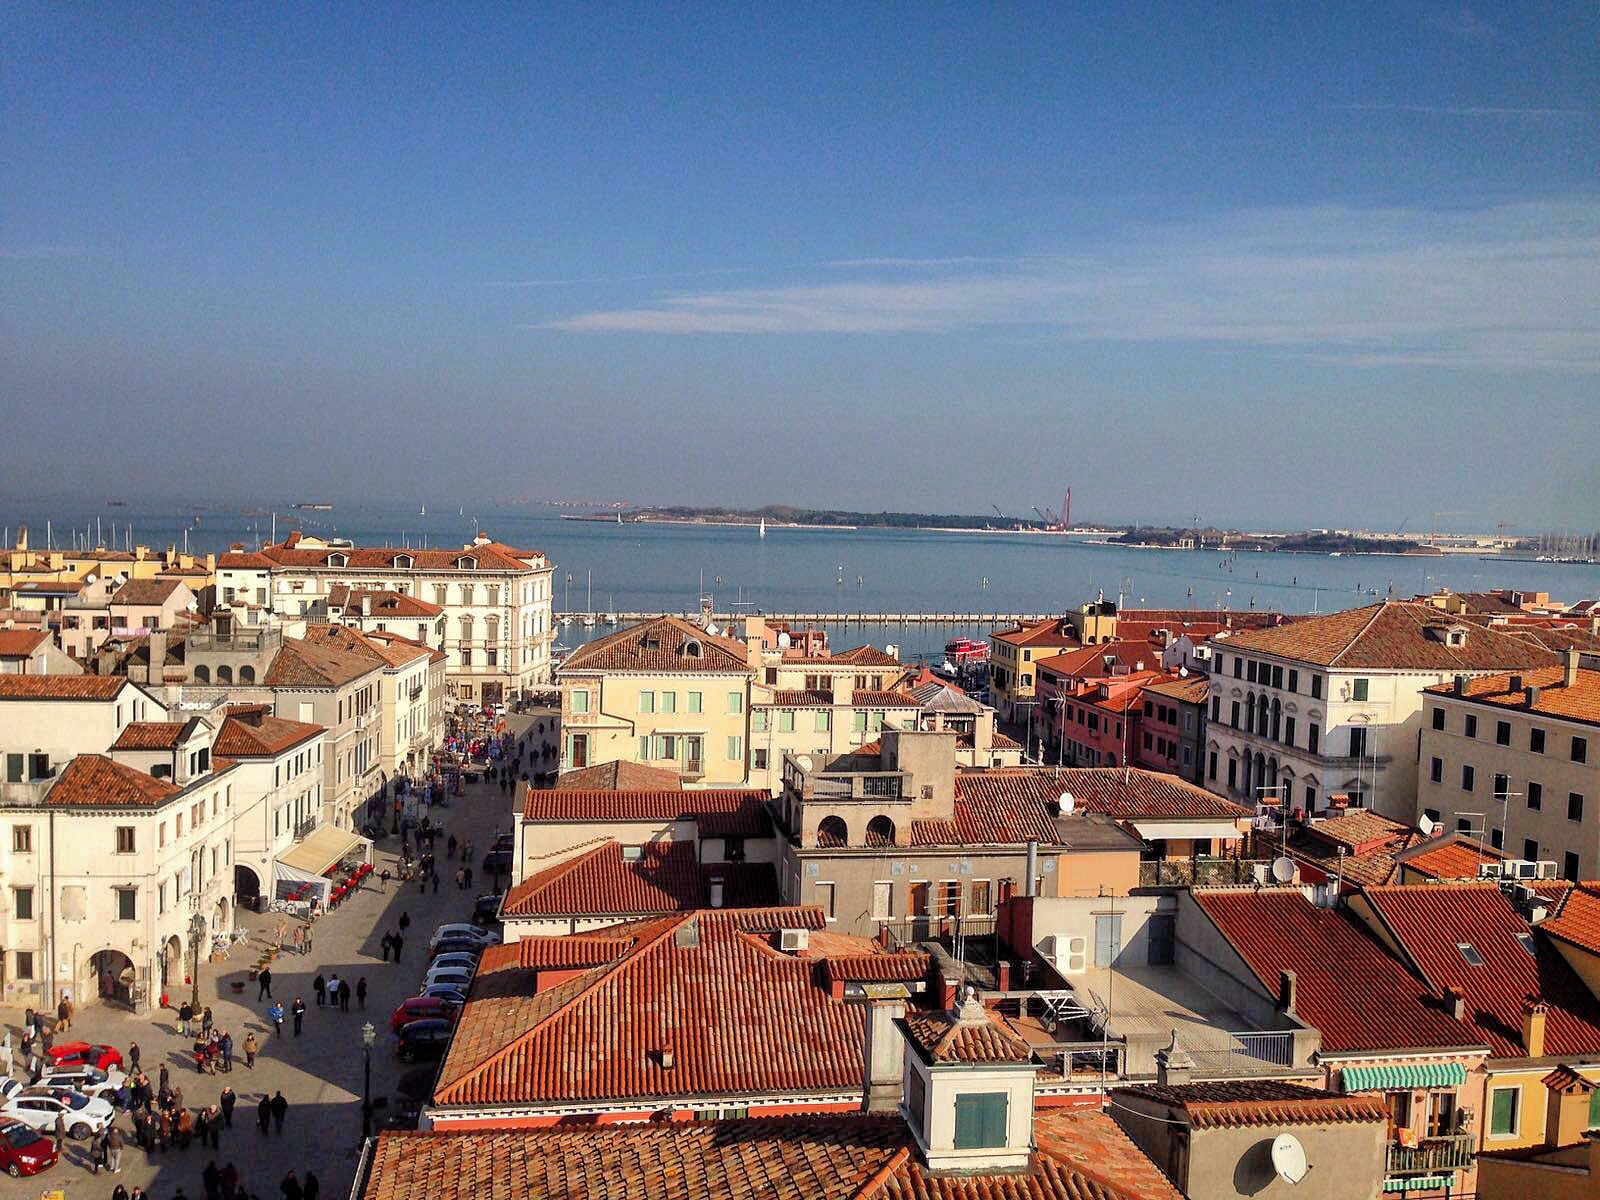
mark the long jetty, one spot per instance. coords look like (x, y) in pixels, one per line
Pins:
(969, 617)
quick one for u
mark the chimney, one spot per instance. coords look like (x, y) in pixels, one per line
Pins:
(716, 891)
(1455, 1002)
(1530, 696)
(1458, 686)
(885, 1054)
(1174, 1067)
(1569, 677)
(665, 1054)
(366, 605)
(1516, 684)
(1533, 1018)
(1288, 992)
(1033, 868)
(1567, 1110)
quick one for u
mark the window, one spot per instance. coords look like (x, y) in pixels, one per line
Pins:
(824, 899)
(161, 888)
(1535, 795)
(1294, 680)
(786, 720)
(1358, 742)
(1569, 870)
(1503, 1105)
(125, 839)
(1469, 725)
(1502, 788)
(824, 721)
(883, 902)
(760, 719)
(696, 700)
(735, 749)
(24, 964)
(1470, 953)
(980, 1119)
(1594, 1101)
(1502, 733)
(1250, 672)
(1580, 749)
(1316, 687)
(1313, 737)
(1441, 1114)
(1438, 718)
(22, 903)
(918, 892)
(647, 702)
(1574, 806)
(1234, 717)
(1466, 777)
(1288, 731)
(1436, 770)
(127, 903)
(978, 897)
(1530, 849)
(580, 700)
(1536, 741)
(758, 760)
(22, 839)
(1358, 689)
(735, 702)
(1238, 668)
(669, 702)
(1497, 838)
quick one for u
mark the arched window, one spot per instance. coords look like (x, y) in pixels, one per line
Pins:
(1277, 718)
(833, 832)
(466, 629)
(224, 674)
(1250, 711)
(202, 673)
(880, 832)
(247, 674)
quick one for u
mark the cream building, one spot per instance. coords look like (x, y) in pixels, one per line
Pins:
(1515, 760)
(45, 720)
(413, 707)
(1327, 711)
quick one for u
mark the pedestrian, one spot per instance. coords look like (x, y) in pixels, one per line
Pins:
(405, 922)
(307, 932)
(313, 1188)
(250, 1048)
(165, 1080)
(97, 1151)
(461, 876)
(468, 871)
(344, 995)
(119, 1193)
(230, 1182)
(386, 944)
(436, 883)
(264, 1114)
(184, 1128)
(64, 1014)
(283, 928)
(280, 1109)
(226, 1101)
(212, 1179)
(265, 980)
(298, 1008)
(214, 1126)
(319, 985)
(450, 846)
(334, 988)
(361, 992)
(206, 1020)
(138, 1193)
(6, 1055)
(275, 1015)
(133, 1057)
(164, 1130)
(202, 1126)
(61, 1131)
(383, 879)
(225, 1044)
(290, 1187)
(399, 942)
(114, 1144)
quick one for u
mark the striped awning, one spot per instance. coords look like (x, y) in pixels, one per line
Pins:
(1418, 1183)
(1403, 1077)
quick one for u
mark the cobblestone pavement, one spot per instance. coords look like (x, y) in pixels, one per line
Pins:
(320, 1072)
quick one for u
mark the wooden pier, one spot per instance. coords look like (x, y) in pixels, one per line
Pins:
(966, 619)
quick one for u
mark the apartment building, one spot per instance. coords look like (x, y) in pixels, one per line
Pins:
(1172, 726)
(29, 650)
(141, 605)
(45, 720)
(1514, 759)
(412, 699)
(1327, 711)
(495, 600)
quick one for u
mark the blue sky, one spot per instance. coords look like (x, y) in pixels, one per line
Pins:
(1273, 264)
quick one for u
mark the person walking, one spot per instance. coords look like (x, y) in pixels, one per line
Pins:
(202, 1126)
(7, 1057)
(164, 1080)
(184, 1127)
(250, 1049)
(468, 872)
(280, 1109)
(313, 1187)
(225, 1045)
(298, 1009)
(265, 980)
(399, 943)
(275, 1015)
(319, 985)
(344, 995)
(114, 1143)
(264, 1114)
(290, 1188)
(450, 846)
(335, 986)
(387, 944)
(185, 1015)
(133, 1058)
(97, 1152)
(405, 922)
(383, 881)
(61, 1131)
(206, 1021)
(211, 1180)
(361, 992)
(64, 1012)
(226, 1101)
(214, 1126)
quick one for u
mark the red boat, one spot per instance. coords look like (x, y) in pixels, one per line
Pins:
(964, 650)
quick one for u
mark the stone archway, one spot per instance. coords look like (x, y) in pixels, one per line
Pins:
(246, 887)
(111, 976)
(172, 962)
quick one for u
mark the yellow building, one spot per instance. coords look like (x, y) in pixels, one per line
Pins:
(663, 693)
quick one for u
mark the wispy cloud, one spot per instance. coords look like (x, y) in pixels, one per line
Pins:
(1515, 286)
(651, 277)
(960, 260)
(1447, 110)
(1463, 24)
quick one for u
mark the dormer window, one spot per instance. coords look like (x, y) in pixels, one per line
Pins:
(693, 649)
(338, 560)
(403, 562)
(466, 563)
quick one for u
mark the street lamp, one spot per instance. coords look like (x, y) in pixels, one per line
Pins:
(197, 933)
(368, 1036)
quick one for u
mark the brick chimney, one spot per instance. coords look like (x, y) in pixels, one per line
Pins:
(1455, 1002)
(1534, 1013)
(1567, 1107)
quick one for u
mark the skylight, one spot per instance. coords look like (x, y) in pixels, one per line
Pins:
(1470, 953)
(1525, 940)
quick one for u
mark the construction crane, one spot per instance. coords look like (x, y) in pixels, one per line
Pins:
(1042, 517)
(997, 512)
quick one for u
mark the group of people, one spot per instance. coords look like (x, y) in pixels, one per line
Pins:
(395, 940)
(335, 992)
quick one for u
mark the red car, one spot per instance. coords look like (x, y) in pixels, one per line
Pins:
(422, 1008)
(24, 1151)
(72, 1054)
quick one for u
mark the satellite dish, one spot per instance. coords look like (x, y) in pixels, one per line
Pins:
(1068, 804)
(1183, 672)
(1283, 869)
(1428, 826)
(1289, 1158)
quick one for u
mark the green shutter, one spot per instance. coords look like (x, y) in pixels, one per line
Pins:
(1594, 1109)
(980, 1120)
(1503, 1110)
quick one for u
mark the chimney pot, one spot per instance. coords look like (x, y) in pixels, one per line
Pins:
(666, 1057)
(1534, 1014)
(1288, 989)
(1516, 684)
(1459, 685)
(1455, 1002)
(1530, 696)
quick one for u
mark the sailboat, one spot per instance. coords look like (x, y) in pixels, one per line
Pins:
(424, 511)
(763, 527)
(619, 517)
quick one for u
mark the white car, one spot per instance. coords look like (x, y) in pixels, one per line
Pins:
(456, 977)
(458, 959)
(464, 930)
(445, 991)
(38, 1107)
(91, 1081)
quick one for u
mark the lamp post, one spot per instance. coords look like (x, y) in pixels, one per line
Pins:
(197, 933)
(368, 1036)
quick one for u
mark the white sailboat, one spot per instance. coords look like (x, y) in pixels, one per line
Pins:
(763, 527)
(424, 511)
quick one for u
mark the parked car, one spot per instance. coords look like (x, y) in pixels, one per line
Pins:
(445, 991)
(506, 841)
(38, 1107)
(486, 910)
(497, 862)
(9, 1088)
(24, 1150)
(456, 977)
(422, 1008)
(463, 930)
(464, 959)
(70, 1054)
(423, 1039)
(459, 946)
(91, 1081)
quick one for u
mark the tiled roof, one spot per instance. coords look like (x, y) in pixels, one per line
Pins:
(1351, 989)
(259, 736)
(1097, 661)
(864, 656)
(1580, 702)
(150, 735)
(19, 643)
(740, 1018)
(328, 656)
(665, 877)
(244, 560)
(1041, 633)
(1358, 854)
(1259, 1102)
(146, 591)
(490, 556)
(1359, 829)
(1559, 638)
(904, 966)
(1091, 1141)
(93, 780)
(619, 776)
(1429, 919)
(867, 698)
(656, 804)
(1390, 636)
(1190, 689)
(384, 602)
(1578, 920)
(797, 698)
(61, 687)
(943, 1037)
(775, 1158)
(1454, 856)
(51, 587)
(395, 649)
(658, 645)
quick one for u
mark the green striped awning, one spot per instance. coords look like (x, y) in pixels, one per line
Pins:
(1403, 1077)
(1418, 1183)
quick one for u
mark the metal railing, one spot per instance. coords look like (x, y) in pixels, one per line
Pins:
(1451, 1153)
(306, 828)
(1204, 871)
(1246, 1053)
(907, 931)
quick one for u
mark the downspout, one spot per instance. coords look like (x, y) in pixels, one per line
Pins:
(53, 902)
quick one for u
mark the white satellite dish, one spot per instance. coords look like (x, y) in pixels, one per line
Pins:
(1183, 672)
(1289, 1158)
(1428, 826)
(1283, 869)
(1068, 804)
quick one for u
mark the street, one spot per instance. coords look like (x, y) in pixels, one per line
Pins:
(320, 1073)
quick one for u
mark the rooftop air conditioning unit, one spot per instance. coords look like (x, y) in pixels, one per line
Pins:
(793, 940)
(1544, 869)
(1524, 894)
(1489, 870)
(1521, 868)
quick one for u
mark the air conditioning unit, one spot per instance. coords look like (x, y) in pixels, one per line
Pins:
(1519, 868)
(1545, 868)
(1489, 870)
(1524, 894)
(794, 940)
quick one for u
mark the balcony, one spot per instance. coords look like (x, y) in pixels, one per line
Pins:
(1431, 1155)
(816, 783)
(306, 828)
(1198, 872)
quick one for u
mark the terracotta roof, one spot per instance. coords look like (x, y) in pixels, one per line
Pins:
(491, 556)
(385, 602)
(1260, 1102)
(740, 1017)
(1558, 638)
(619, 776)
(1190, 689)
(1430, 919)
(660, 644)
(656, 804)
(797, 698)
(867, 698)
(944, 1037)
(1097, 661)
(328, 656)
(61, 687)
(1359, 829)
(194, 572)
(1359, 853)
(863, 656)
(1578, 920)
(93, 780)
(1580, 702)
(52, 587)
(247, 735)
(395, 649)
(1335, 960)
(1454, 856)
(1091, 1141)
(775, 1158)
(904, 966)
(150, 735)
(1392, 635)
(1041, 633)
(664, 877)
(146, 591)
(19, 643)
(244, 560)
(546, 953)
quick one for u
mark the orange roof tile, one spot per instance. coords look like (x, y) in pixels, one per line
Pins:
(656, 804)
(1049, 632)
(19, 643)
(1091, 1141)
(1452, 857)
(490, 556)
(150, 735)
(662, 644)
(1578, 920)
(1580, 702)
(146, 591)
(1097, 661)
(665, 877)
(384, 602)
(247, 735)
(619, 776)
(328, 656)
(944, 1037)
(93, 780)
(1260, 1102)
(61, 687)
